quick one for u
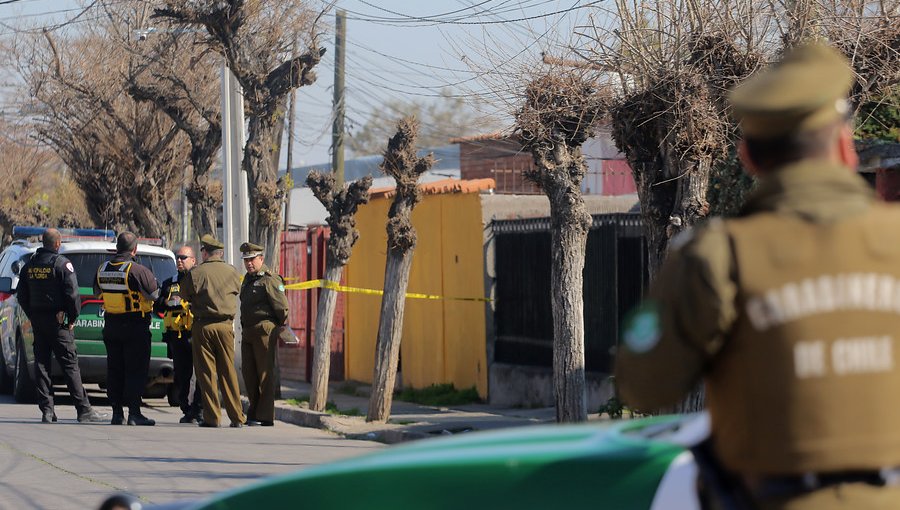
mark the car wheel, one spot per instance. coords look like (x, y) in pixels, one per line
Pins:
(23, 388)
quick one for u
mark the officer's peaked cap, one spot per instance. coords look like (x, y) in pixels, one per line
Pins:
(251, 250)
(209, 242)
(804, 91)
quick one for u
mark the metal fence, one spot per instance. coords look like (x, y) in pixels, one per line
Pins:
(615, 276)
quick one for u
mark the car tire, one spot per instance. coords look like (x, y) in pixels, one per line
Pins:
(23, 384)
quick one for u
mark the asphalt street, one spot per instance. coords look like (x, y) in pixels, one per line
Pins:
(72, 465)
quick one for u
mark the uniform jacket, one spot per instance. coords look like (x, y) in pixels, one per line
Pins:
(262, 298)
(57, 292)
(790, 313)
(212, 288)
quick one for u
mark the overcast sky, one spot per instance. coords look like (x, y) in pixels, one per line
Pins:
(398, 49)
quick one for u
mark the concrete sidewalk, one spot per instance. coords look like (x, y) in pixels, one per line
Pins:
(408, 421)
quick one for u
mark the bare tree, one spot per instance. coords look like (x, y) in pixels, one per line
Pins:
(36, 189)
(257, 40)
(182, 80)
(128, 160)
(559, 113)
(673, 62)
(341, 204)
(401, 163)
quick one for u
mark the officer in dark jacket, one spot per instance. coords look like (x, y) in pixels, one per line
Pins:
(128, 290)
(48, 293)
(178, 322)
(264, 308)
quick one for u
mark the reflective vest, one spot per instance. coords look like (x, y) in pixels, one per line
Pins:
(117, 296)
(177, 319)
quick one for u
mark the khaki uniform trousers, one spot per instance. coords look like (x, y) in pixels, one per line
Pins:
(257, 365)
(213, 349)
(841, 496)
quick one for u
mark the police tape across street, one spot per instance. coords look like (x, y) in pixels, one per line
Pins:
(327, 284)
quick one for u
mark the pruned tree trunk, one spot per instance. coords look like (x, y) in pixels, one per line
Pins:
(264, 190)
(390, 331)
(558, 115)
(401, 163)
(341, 205)
(321, 364)
(205, 202)
(570, 223)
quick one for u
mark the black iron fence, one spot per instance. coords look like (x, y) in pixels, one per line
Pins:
(615, 276)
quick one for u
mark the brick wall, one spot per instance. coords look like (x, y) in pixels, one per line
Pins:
(501, 160)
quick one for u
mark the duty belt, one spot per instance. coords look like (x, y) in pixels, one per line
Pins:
(787, 486)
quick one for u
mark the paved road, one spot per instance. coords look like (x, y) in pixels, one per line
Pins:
(72, 465)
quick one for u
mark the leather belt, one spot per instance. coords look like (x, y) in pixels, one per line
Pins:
(787, 486)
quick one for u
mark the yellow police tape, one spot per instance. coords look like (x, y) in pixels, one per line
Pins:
(327, 284)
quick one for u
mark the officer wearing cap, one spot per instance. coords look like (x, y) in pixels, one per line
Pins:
(212, 289)
(264, 308)
(48, 294)
(790, 312)
(128, 290)
(177, 323)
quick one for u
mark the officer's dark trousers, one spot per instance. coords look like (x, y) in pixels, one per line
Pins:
(127, 342)
(49, 339)
(183, 359)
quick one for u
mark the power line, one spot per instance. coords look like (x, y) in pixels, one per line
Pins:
(414, 19)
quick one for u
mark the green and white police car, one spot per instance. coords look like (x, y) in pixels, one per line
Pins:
(87, 249)
(618, 465)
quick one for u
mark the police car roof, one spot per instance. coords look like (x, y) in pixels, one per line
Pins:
(110, 248)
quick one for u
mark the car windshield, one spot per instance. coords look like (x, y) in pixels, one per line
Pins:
(86, 265)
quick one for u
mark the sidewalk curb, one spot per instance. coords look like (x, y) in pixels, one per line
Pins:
(342, 425)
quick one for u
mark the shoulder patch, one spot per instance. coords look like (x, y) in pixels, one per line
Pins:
(642, 328)
(281, 287)
(70, 267)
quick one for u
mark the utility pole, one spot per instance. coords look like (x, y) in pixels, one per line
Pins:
(236, 209)
(337, 132)
(290, 147)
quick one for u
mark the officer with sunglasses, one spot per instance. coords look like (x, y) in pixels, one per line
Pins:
(178, 322)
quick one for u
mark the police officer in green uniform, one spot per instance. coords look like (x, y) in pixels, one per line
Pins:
(48, 294)
(788, 312)
(128, 290)
(264, 308)
(212, 289)
(178, 322)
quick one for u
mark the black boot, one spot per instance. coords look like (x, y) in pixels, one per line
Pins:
(140, 419)
(49, 417)
(118, 417)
